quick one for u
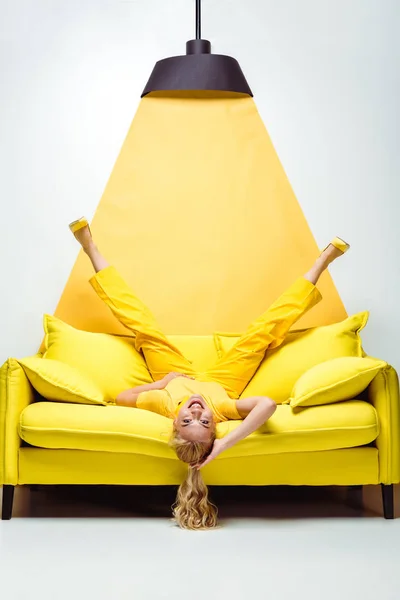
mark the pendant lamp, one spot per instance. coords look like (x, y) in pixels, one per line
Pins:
(198, 69)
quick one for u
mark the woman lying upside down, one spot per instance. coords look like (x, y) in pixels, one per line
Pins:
(197, 402)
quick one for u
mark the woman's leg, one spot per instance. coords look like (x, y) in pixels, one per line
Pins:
(322, 263)
(237, 366)
(84, 237)
(161, 356)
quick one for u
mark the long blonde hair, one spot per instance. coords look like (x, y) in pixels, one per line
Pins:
(192, 508)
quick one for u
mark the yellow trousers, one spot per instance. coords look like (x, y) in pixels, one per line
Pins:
(237, 366)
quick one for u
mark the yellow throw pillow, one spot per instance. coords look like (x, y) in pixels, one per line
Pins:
(55, 380)
(110, 361)
(335, 380)
(301, 350)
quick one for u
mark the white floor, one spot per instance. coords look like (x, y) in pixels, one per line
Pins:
(60, 546)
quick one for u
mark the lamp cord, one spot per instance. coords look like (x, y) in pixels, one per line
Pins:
(198, 19)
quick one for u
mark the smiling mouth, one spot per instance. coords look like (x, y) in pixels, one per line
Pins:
(196, 402)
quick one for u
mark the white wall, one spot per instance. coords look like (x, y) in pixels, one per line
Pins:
(326, 80)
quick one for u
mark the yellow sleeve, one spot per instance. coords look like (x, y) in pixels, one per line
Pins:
(157, 401)
(227, 408)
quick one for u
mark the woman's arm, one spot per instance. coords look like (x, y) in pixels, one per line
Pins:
(255, 412)
(129, 397)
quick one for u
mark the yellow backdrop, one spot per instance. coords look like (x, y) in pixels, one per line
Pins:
(200, 218)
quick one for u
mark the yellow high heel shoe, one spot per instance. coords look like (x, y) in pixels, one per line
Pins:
(339, 245)
(78, 224)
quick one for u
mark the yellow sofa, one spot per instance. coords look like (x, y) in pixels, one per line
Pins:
(350, 443)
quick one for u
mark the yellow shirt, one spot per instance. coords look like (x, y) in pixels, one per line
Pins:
(167, 402)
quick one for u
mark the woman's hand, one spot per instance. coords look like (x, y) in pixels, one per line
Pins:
(165, 380)
(217, 448)
(258, 410)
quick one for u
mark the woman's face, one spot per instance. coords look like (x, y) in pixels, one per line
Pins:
(194, 421)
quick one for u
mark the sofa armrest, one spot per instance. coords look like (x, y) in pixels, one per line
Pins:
(16, 393)
(383, 393)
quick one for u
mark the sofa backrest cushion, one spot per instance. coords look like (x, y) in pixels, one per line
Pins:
(199, 349)
(301, 350)
(109, 361)
(113, 364)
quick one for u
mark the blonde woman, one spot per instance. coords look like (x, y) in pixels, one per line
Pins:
(196, 402)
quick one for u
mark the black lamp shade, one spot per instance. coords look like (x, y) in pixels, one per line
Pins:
(198, 70)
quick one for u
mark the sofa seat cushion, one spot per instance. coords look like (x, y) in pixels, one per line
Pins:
(114, 429)
(122, 429)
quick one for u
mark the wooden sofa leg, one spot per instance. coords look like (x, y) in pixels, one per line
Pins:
(8, 498)
(387, 500)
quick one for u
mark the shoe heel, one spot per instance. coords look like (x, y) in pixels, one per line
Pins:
(78, 224)
(339, 244)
